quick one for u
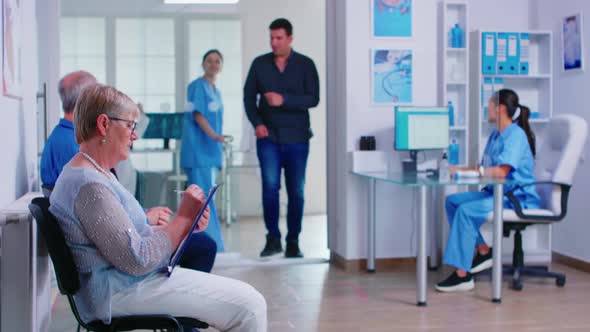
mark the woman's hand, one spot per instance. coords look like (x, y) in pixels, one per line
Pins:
(219, 138)
(498, 171)
(192, 201)
(204, 221)
(159, 215)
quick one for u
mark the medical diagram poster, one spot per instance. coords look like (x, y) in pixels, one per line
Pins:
(572, 40)
(391, 18)
(391, 76)
(11, 48)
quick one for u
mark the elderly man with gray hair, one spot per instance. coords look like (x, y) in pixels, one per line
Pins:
(61, 145)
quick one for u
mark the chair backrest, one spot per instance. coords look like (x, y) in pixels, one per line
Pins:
(61, 256)
(559, 156)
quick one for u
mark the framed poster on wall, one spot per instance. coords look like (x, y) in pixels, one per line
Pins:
(391, 18)
(391, 77)
(572, 46)
(11, 48)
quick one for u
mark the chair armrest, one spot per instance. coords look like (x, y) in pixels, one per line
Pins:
(565, 189)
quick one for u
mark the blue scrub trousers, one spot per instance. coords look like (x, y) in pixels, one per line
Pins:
(205, 177)
(293, 158)
(466, 213)
(200, 253)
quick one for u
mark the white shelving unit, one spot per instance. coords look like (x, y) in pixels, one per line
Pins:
(535, 90)
(454, 86)
(454, 72)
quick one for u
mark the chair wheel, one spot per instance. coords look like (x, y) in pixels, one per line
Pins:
(560, 282)
(517, 285)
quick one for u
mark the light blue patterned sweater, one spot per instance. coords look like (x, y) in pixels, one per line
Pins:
(105, 228)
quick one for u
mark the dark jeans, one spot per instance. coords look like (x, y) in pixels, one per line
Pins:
(293, 158)
(200, 253)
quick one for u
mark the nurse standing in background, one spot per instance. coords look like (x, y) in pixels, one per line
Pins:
(201, 149)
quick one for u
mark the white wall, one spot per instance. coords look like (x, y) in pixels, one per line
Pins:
(18, 128)
(307, 17)
(350, 28)
(570, 96)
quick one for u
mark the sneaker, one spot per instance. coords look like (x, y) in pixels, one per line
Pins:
(482, 262)
(272, 247)
(454, 283)
(293, 250)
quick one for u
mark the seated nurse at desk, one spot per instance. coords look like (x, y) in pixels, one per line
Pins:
(509, 153)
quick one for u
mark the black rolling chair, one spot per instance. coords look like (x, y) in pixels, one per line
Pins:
(69, 284)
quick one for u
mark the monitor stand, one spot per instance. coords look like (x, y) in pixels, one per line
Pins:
(410, 165)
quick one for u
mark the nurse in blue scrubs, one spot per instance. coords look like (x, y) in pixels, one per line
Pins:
(509, 153)
(201, 149)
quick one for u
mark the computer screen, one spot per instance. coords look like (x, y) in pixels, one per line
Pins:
(164, 125)
(421, 128)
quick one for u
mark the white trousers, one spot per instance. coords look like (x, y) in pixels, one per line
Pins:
(225, 304)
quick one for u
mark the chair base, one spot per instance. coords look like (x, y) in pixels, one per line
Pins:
(530, 271)
(152, 322)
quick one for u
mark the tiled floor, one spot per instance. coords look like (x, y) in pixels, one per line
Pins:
(247, 237)
(320, 297)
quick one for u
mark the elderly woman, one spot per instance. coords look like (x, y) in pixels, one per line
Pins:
(117, 254)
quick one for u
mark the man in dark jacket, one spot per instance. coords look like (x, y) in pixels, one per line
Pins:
(280, 88)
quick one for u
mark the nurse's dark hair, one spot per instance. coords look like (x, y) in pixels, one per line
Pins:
(509, 98)
(210, 52)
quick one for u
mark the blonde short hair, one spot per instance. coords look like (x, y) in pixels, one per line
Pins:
(94, 101)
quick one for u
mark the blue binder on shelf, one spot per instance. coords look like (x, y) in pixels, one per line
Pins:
(502, 53)
(513, 58)
(488, 53)
(525, 40)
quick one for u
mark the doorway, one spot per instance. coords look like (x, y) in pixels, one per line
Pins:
(152, 53)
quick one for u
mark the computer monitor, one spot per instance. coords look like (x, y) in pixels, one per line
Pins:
(421, 128)
(164, 126)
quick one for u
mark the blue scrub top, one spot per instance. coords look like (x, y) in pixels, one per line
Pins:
(511, 148)
(60, 147)
(198, 149)
(391, 22)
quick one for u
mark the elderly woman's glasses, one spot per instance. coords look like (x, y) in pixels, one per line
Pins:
(130, 123)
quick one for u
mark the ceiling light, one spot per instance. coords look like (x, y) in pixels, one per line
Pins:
(201, 2)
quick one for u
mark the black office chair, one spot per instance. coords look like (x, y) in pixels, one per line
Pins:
(69, 284)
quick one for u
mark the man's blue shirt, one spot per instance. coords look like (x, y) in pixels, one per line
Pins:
(61, 146)
(299, 86)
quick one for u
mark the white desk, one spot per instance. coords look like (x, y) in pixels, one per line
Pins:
(424, 183)
(25, 282)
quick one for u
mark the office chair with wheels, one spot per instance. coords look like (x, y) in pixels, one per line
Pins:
(556, 163)
(69, 284)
